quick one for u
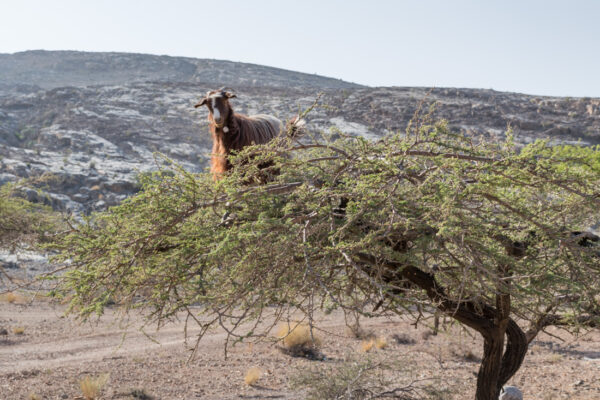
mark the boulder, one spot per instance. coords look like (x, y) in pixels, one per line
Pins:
(510, 393)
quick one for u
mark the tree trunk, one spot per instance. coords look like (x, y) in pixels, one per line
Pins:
(498, 364)
(436, 323)
(488, 385)
(516, 349)
(493, 323)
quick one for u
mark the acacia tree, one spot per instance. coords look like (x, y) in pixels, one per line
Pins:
(490, 235)
(23, 225)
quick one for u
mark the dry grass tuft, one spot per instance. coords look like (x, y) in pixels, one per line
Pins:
(91, 387)
(297, 334)
(360, 333)
(33, 396)
(376, 343)
(18, 330)
(380, 343)
(466, 355)
(11, 297)
(555, 358)
(252, 376)
(20, 298)
(471, 357)
(367, 345)
(299, 341)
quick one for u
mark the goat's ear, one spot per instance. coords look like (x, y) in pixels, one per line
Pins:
(230, 95)
(202, 102)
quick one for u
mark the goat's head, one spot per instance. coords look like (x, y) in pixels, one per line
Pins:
(217, 102)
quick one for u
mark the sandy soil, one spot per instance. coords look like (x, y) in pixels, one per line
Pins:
(54, 353)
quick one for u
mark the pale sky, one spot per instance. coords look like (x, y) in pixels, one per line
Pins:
(529, 46)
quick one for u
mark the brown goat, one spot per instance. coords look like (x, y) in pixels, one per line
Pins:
(233, 132)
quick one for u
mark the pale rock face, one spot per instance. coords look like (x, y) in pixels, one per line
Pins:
(510, 393)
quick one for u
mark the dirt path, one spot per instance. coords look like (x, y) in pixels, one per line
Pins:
(54, 353)
(48, 348)
(88, 348)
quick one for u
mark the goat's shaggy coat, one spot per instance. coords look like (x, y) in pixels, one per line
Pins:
(233, 132)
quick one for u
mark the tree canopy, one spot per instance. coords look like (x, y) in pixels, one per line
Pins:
(493, 235)
(23, 223)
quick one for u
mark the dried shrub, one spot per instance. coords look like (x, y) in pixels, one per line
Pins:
(354, 329)
(367, 345)
(555, 358)
(299, 340)
(10, 297)
(252, 376)
(358, 332)
(380, 343)
(18, 330)
(465, 354)
(471, 357)
(91, 387)
(364, 379)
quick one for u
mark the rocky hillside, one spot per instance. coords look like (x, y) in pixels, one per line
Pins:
(53, 69)
(94, 120)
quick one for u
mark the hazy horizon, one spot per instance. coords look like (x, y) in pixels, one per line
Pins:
(534, 47)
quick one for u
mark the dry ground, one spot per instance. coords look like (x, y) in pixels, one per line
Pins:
(54, 353)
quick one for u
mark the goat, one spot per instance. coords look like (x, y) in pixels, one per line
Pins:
(233, 132)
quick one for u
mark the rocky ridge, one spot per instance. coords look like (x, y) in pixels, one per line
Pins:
(52, 69)
(95, 132)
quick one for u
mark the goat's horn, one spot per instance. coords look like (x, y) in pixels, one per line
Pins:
(226, 88)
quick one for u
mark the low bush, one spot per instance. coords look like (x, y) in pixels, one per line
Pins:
(91, 387)
(299, 340)
(361, 379)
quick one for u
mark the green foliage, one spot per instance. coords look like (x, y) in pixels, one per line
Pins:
(430, 199)
(27, 133)
(23, 223)
(367, 378)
